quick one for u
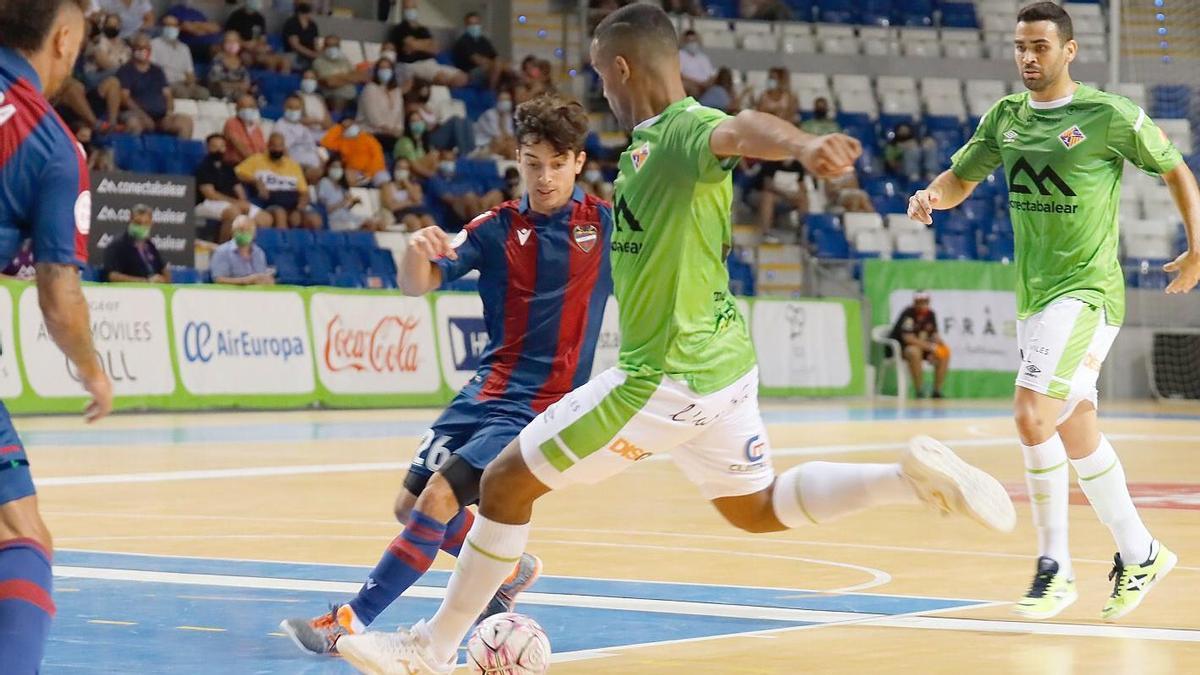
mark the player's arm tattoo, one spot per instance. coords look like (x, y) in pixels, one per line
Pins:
(65, 311)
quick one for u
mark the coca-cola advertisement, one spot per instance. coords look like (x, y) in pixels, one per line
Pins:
(374, 344)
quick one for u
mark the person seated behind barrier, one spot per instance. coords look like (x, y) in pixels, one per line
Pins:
(240, 261)
(219, 193)
(916, 330)
(419, 50)
(402, 200)
(908, 155)
(133, 257)
(381, 104)
(279, 185)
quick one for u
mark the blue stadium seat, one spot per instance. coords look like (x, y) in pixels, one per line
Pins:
(268, 237)
(287, 269)
(348, 260)
(360, 240)
(999, 247)
(298, 239)
(886, 186)
(957, 247)
(741, 276)
(943, 123)
(330, 240)
(725, 9)
(477, 101)
(913, 13)
(184, 275)
(953, 222)
(821, 221)
(477, 168)
(1170, 100)
(349, 280)
(802, 10)
(890, 204)
(381, 262)
(320, 268)
(831, 244)
(836, 11)
(959, 15)
(876, 12)
(888, 121)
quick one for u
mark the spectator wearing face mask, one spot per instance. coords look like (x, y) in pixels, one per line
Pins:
(777, 98)
(228, 77)
(334, 194)
(414, 146)
(244, 131)
(593, 182)
(135, 15)
(337, 76)
(98, 159)
(908, 155)
(447, 129)
(403, 200)
(220, 195)
(459, 194)
(694, 65)
(723, 94)
(381, 105)
(195, 29)
(133, 257)
(279, 185)
(474, 54)
(175, 58)
(105, 53)
(494, 129)
(512, 184)
(418, 49)
(146, 96)
(251, 26)
(316, 112)
(821, 123)
(300, 33)
(239, 261)
(361, 154)
(303, 144)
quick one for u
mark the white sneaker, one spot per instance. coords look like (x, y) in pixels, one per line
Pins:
(942, 479)
(405, 652)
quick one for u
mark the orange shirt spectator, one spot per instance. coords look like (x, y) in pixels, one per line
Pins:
(361, 153)
(243, 133)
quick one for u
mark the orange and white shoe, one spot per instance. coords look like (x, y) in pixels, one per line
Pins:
(320, 635)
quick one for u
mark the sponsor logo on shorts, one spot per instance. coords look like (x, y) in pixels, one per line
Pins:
(628, 450)
(756, 449)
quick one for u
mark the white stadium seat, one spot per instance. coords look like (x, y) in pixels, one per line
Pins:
(710, 25)
(744, 28)
(924, 50)
(915, 242)
(846, 84)
(371, 51)
(760, 42)
(839, 46)
(962, 50)
(873, 241)
(353, 51)
(1153, 248)
(889, 84)
(854, 223)
(798, 44)
(724, 40)
(834, 30)
(1134, 91)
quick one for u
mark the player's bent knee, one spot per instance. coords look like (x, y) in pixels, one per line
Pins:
(458, 480)
(508, 479)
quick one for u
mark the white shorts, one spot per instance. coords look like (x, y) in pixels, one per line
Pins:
(602, 428)
(1062, 349)
(213, 209)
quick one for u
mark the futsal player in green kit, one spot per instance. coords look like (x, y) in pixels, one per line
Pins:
(1063, 146)
(687, 382)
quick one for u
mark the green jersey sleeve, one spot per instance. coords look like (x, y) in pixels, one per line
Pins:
(688, 137)
(1134, 136)
(977, 159)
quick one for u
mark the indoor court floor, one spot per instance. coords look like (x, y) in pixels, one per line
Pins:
(183, 539)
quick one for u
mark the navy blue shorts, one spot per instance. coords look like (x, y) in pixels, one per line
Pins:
(15, 480)
(477, 431)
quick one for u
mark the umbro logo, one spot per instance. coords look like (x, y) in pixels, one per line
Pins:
(1010, 136)
(1032, 369)
(523, 235)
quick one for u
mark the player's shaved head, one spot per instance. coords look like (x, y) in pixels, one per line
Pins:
(641, 33)
(636, 53)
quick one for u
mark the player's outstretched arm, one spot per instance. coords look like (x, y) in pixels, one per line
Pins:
(1186, 195)
(65, 311)
(762, 136)
(945, 192)
(420, 273)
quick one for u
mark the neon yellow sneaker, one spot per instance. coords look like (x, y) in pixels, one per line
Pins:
(1049, 594)
(1131, 583)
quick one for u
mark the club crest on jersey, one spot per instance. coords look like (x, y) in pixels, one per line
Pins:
(1072, 137)
(639, 156)
(585, 236)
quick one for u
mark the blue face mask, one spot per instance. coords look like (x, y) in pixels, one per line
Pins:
(418, 128)
(475, 31)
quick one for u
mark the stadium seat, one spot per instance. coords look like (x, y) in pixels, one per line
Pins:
(958, 15)
(269, 238)
(830, 244)
(287, 269)
(381, 262)
(184, 275)
(898, 223)
(913, 13)
(855, 223)
(999, 248)
(798, 44)
(1134, 91)
(298, 239)
(836, 11)
(957, 247)
(871, 244)
(838, 46)
(914, 244)
(319, 267)
(876, 12)
(1150, 246)
(360, 240)
(820, 221)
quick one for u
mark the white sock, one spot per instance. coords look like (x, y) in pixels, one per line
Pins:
(817, 492)
(1048, 481)
(486, 560)
(1102, 479)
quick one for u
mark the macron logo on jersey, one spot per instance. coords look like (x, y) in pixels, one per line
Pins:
(523, 234)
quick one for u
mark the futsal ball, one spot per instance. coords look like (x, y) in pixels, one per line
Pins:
(509, 644)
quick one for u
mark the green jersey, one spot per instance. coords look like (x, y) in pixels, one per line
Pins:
(1064, 166)
(670, 238)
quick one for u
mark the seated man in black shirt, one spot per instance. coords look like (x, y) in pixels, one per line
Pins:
(917, 332)
(250, 24)
(220, 194)
(419, 50)
(474, 53)
(300, 33)
(132, 257)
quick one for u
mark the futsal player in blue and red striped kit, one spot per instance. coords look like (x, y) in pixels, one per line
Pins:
(544, 279)
(44, 196)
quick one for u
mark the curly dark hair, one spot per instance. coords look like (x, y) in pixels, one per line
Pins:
(562, 122)
(25, 24)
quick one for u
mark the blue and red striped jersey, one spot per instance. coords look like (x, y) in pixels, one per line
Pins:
(544, 281)
(44, 187)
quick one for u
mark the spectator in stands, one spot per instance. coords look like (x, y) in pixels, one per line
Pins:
(228, 77)
(251, 26)
(99, 159)
(303, 143)
(279, 185)
(381, 104)
(243, 132)
(195, 29)
(694, 65)
(460, 195)
(494, 129)
(135, 15)
(845, 195)
(908, 156)
(474, 54)
(533, 80)
(338, 77)
(175, 58)
(688, 7)
(767, 10)
(133, 257)
(334, 194)
(300, 33)
(917, 331)
(104, 54)
(777, 98)
(414, 146)
(146, 97)
(419, 50)
(361, 153)
(316, 113)
(774, 197)
(219, 193)
(512, 185)
(821, 123)
(593, 182)
(447, 129)
(403, 200)
(722, 94)
(239, 261)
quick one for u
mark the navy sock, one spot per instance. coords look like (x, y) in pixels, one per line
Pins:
(456, 531)
(25, 605)
(407, 559)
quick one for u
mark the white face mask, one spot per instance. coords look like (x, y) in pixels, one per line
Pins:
(248, 115)
(352, 131)
(308, 86)
(293, 115)
(504, 105)
(402, 175)
(384, 75)
(336, 173)
(411, 15)
(332, 53)
(592, 175)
